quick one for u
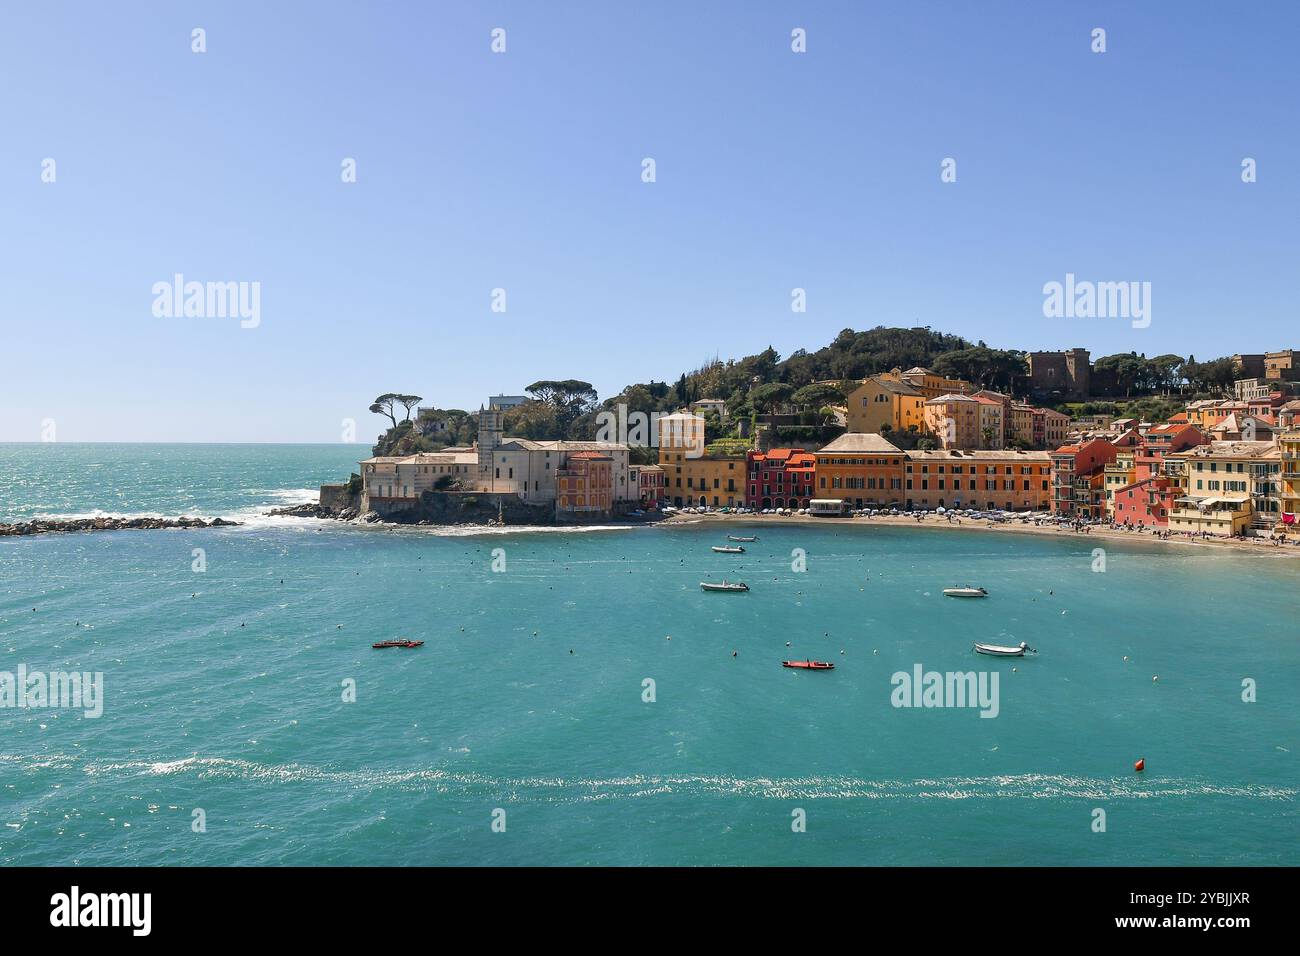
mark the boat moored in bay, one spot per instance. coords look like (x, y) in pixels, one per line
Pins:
(726, 585)
(966, 592)
(999, 650)
(724, 549)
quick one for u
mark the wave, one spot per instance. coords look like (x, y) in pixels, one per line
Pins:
(1031, 786)
(291, 496)
(99, 513)
(463, 531)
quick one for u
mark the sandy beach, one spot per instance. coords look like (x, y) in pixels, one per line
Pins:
(1258, 546)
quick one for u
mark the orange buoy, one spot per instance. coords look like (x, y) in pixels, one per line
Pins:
(1140, 765)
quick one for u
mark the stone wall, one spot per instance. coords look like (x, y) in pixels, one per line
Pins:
(336, 497)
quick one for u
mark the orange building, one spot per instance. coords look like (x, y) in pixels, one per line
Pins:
(585, 484)
(1008, 479)
(862, 469)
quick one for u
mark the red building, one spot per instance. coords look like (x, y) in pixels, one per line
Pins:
(1148, 501)
(649, 482)
(779, 478)
(1078, 475)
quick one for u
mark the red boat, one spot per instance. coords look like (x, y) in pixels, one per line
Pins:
(810, 665)
(399, 643)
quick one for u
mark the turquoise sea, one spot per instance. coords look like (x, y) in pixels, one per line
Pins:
(224, 687)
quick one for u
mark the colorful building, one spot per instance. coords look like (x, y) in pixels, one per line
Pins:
(584, 486)
(953, 420)
(885, 404)
(692, 475)
(930, 384)
(1229, 487)
(861, 468)
(1118, 474)
(994, 415)
(1289, 451)
(780, 478)
(1151, 497)
(1242, 428)
(1079, 477)
(649, 482)
(1008, 479)
(1036, 427)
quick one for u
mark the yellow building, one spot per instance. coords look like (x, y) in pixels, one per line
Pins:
(1289, 447)
(1229, 487)
(1120, 473)
(882, 404)
(928, 383)
(692, 476)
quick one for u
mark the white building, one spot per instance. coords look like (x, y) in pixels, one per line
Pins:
(397, 482)
(527, 468)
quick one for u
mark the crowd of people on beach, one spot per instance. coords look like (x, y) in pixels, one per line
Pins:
(1165, 534)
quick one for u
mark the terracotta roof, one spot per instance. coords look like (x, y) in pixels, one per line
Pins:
(898, 388)
(957, 454)
(859, 442)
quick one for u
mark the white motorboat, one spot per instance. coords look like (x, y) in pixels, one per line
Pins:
(724, 586)
(999, 650)
(723, 549)
(738, 537)
(966, 592)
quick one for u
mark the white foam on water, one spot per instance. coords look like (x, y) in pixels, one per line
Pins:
(1032, 786)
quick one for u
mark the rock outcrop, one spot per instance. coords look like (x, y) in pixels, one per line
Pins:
(55, 526)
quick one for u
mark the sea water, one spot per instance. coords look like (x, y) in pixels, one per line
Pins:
(587, 703)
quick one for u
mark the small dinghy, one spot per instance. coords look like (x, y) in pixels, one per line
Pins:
(966, 592)
(810, 665)
(398, 643)
(738, 537)
(724, 549)
(998, 650)
(724, 586)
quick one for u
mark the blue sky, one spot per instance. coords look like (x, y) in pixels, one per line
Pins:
(522, 171)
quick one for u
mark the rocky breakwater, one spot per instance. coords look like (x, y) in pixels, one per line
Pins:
(56, 526)
(313, 510)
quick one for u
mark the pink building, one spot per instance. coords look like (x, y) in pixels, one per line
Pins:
(1148, 501)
